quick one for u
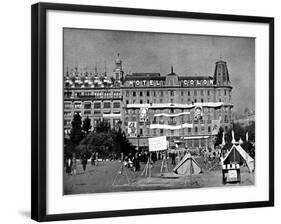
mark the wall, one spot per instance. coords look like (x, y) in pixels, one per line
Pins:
(15, 113)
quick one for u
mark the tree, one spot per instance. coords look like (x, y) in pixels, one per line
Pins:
(219, 137)
(107, 142)
(102, 126)
(76, 134)
(86, 127)
(122, 144)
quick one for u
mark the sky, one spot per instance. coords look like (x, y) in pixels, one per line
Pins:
(190, 55)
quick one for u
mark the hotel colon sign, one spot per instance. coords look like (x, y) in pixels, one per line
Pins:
(187, 109)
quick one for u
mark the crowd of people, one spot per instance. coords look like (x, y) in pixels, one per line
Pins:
(132, 161)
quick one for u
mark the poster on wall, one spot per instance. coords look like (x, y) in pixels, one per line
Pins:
(143, 114)
(215, 127)
(198, 113)
(132, 129)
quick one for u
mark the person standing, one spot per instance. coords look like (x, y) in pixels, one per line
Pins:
(93, 158)
(84, 161)
(68, 165)
(173, 155)
(74, 165)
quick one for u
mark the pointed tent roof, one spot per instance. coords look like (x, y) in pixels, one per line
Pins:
(187, 166)
(238, 155)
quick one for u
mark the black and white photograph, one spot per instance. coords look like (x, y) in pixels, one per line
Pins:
(157, 111)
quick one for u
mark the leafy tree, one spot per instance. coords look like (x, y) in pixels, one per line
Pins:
(86, 127)
(102, 126)
(76, 134)
(122, 144)
(106, 142)
(219, 137)
(69, 148)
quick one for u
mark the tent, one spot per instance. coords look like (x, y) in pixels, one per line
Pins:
(238, 155)
(187, 166)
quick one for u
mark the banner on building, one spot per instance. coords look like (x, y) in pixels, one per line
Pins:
(198, 113)
(215, 127)
(143, 114)
(157, 143)
(132, 129)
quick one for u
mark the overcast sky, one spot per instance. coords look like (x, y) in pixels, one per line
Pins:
(155, 52)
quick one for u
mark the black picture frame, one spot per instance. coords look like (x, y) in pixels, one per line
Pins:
(38, 108)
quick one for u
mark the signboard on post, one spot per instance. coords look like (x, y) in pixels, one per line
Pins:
(157, 143)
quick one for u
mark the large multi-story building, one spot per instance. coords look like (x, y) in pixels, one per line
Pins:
(187, 109)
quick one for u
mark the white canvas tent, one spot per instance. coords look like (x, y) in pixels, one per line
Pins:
(187, 166)
(238, 155)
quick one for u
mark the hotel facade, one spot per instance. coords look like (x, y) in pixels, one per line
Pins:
(187, 109)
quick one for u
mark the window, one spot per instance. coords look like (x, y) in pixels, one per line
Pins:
(67, 105)
(195, 100)
(171, 93)
(154, 93)
(140, 131)
(209, 129)
(202, 100)
(140, 93)
(225, 92)
(189, 130)
(147, 101)
(97, 112)
(78, 94)
(106, 105)
(195, 92)
(97, 105)
(134, 93)
(116, 105)
(77, 105)
(208, 92)
(127, 101)
(202, 92)
(188, 93)
(86, 112)
(87, 106)
(67, 122)
(196, 129)
(182, 93)
(68, 113)
(161, 93)
(127, 93)
(147, 93)
(172, 132)
(225, 118)
(141, 102)
(67, 94)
